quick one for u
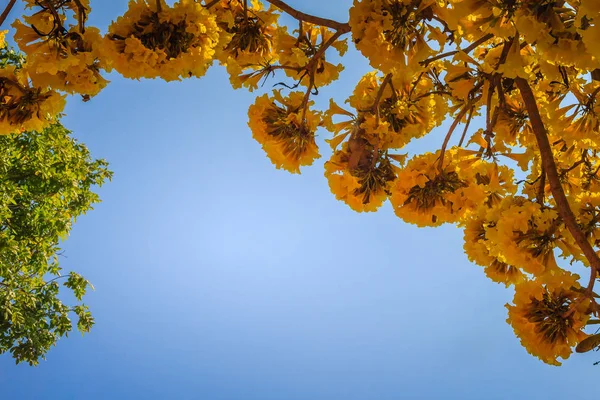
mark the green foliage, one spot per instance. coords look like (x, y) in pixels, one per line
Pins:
(10, 57)
(46, 182)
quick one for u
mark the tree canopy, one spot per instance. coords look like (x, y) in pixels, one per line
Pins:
(46, 182)
(524, 187)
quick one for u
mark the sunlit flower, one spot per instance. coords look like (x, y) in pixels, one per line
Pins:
(285, 127)
(175, 42)
(548, 315)
(23, 107)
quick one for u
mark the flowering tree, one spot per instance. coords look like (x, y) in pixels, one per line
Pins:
(525, 188)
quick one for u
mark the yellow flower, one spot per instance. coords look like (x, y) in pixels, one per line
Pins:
(295, 54)
(548, 316)
(525, 235)
(495, 181)
(477, 251)
(3, 39)
(286, 129)
(25, 108)
(512, 123)
(556, 39)
(249, 40)
(472, 18)
(360, 175)
(589, 15)
(389, 32)
(404, 111)
(427, 195)
(69, 61)
(177, 42)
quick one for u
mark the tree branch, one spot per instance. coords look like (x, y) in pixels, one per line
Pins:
(541, 189)
(455, 123)
(464, 134)
(315, 59)
(375, 107)
(6, 11)
(549, 166)
(468, 49)
(338, 26)
(210, 4)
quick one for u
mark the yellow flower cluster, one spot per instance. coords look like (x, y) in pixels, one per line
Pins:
(428, 194)
(476, 249)
(65, 59)
(250, 33)
(295, 53)
(548, 315)
(360, 175)
(388, 115)
(285, 127)
(171, 43)
(390, 33)
(525, 235)
(23, 107)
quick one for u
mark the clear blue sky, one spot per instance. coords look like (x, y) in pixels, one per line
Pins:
(219, 277)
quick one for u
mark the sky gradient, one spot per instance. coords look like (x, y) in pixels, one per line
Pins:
(219, 277)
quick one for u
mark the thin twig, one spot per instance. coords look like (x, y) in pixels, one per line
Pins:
(311, 83)
(211, 3)
(451, 130)
(338, 26)
(464, 134)
(322, 49)
(467, 49)
(375, 106)
(81, 10)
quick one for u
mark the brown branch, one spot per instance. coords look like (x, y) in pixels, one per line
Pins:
(541, 189)
(488, 107)
(338, 26)
(375, 107)
(311, 83)
(311, 72)
(467, 49)
(548, 164)
(211, 3)
(81, 11)
(455, 123)
(321, 51)
(6, 11)
(464, 134)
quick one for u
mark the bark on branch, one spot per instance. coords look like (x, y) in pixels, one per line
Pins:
(338, 26)
(6, 11)
(549, 166)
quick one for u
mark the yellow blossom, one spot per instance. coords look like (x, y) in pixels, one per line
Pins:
(548, 316)
(176, 42)
(285, 127)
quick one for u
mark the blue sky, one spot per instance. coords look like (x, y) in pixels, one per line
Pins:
(219, 277)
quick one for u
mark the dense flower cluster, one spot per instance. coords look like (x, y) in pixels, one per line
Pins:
(23, 107)
(170, 42)
(285, 127)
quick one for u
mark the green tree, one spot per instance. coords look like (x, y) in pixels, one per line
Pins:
(46, 182)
